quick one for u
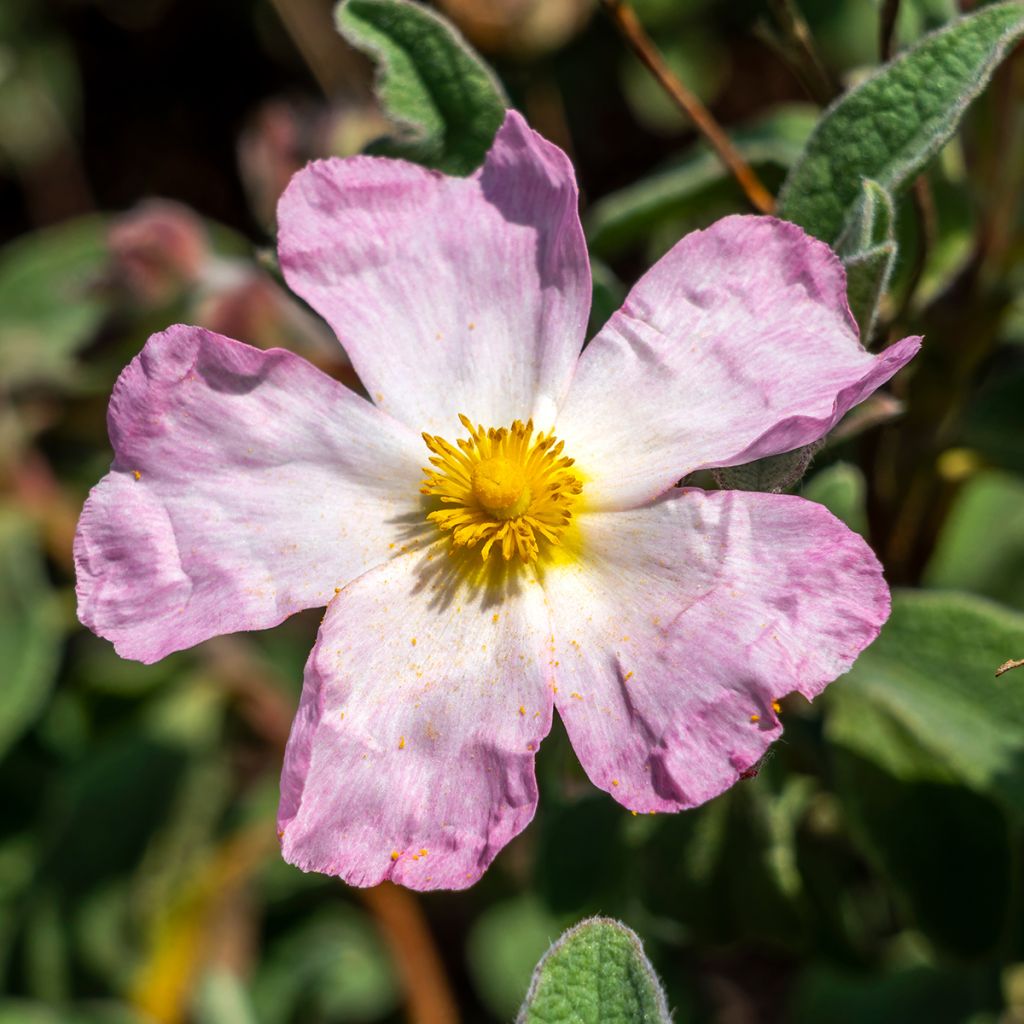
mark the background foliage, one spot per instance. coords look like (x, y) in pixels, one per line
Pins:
(871, 871)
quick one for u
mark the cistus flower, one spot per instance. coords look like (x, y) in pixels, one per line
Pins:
(500, 532)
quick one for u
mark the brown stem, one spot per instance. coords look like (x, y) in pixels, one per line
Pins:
(1007, 665)
(429, 999)
(887, 28)
(643, 46)
(333, 63)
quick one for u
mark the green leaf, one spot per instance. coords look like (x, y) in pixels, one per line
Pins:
(981, 547)
(925, 694)
(504, 945)
(728, 869)
(939, 995)
(50, 306)
(689, 187)
(447, 102)
(773, 475)
(30, 628)
(842, 489)
(868, 250)
(221, 999)
(332, 966)
(888, 127)
(596, 973)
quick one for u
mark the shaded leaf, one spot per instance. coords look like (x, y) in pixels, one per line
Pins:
(333, 966)
(447, 102)
(30, 628)
(936, 995)
(887, 128)
(596, 973)
(981, 547)
(927, 687)
(504, 946)
(628, 216)
(774, 474)
(842, 489)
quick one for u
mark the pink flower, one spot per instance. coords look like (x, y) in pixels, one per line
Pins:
(663, 623)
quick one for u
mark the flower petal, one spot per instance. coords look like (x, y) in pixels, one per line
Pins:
(246, 485)
(736, 345)
(411, 756)
(449, 294)
(683, 621)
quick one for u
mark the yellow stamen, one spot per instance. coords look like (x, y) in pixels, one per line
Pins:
(509, 491)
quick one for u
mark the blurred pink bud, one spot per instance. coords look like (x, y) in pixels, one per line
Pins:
(157, 250)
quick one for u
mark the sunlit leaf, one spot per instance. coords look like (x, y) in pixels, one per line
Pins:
(447, 102)
(596, 973)
(889, 126)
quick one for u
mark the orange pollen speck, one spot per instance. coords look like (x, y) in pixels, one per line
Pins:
(508, 490)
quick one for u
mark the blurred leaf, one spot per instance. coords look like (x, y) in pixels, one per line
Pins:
(30, 628)
(581, 854)
(889, 126)
(446, 101)
(868, 251)
(608, 293)
(920, 833)
(727, 870)
(22, 1011)
(596, 973)
(842, 489)
(627, 216)
(994, 422)
(504, 945)
(981, 547)
(221, 999)
(938, 996)
(50, 307)
(331, 967)
(930, 676)
(693, 54)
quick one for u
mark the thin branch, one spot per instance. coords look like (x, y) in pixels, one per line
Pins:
(429, 998)
(887, 28)
(643, 46)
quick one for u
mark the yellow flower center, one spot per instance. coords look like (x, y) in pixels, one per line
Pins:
(510, 491)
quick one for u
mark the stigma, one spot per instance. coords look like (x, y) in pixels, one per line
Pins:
(509, 490)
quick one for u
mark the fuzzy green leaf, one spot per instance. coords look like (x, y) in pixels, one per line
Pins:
(888, 127)
(868, 250)
(596, 973)
(446, 102)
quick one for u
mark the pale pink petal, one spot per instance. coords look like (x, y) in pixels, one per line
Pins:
(736, 345)
(449, 294)
(684, 620)
(246, 485)
(411, 756)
